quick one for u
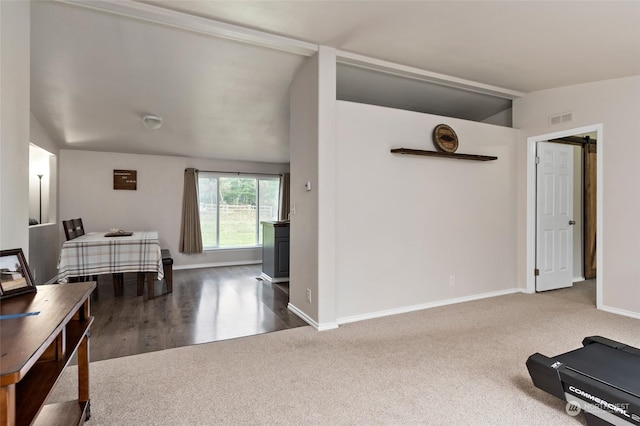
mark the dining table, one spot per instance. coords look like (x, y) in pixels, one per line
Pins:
(111, 252)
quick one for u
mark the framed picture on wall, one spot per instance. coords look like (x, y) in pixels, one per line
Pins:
(15, 276)
(125, 179)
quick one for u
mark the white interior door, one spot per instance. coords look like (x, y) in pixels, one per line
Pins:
(554, 211)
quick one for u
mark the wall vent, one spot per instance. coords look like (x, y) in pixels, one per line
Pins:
(560, 118)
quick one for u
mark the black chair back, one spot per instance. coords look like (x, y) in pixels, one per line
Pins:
(73, 228)
(77, 223)
(69, 229)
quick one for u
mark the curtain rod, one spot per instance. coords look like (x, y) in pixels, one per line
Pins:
(237, 173)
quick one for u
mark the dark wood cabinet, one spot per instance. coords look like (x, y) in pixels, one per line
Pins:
(275, 251)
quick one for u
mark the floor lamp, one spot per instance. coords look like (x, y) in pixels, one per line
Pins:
(40, 197)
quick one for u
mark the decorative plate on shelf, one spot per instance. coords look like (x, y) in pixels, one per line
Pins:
(445, 138)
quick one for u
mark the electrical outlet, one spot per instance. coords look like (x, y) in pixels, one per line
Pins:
(34, 274)
(452, 280)
(308, 295)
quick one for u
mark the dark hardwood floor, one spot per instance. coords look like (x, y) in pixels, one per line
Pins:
(206, 305)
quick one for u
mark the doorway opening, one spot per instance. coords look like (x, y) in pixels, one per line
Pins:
(594, 132)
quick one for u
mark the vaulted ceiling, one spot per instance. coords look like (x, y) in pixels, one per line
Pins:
(218, 72)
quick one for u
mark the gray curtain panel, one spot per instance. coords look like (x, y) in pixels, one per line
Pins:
(190, 235)
(285, 195)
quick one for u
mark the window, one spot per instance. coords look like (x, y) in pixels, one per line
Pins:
(232, 207)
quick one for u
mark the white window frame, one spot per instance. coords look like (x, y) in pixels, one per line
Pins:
(258, 177)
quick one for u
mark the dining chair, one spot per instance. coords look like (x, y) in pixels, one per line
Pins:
(77, 224)
(74, 228)
(69, 229)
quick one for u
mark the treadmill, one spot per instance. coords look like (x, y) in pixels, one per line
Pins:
(602, 378)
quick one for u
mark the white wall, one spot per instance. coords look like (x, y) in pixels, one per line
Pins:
(615, 104)
(86, 191)
(327, 181)
(44, 248)
(14, 125)
(312, 287)
(405, 224)
(303, 264)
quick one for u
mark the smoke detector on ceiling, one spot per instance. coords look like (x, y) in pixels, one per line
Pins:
(152, 122)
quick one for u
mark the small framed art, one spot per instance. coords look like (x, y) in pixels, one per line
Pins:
(15, 276)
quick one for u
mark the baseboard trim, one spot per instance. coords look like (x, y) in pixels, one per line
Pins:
(622, 312)
(216, 265)
(266, 277)
(413, 308)
(313, 323)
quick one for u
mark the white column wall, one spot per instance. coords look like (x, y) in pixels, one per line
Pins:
(313, 156)
(14, 125)
(303, 264)
(327, 208)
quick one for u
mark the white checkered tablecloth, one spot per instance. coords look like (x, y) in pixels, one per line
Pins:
(95, 254)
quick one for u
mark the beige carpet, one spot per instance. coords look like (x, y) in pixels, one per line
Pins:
(460, 364)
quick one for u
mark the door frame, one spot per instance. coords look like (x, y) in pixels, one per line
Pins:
(531, 204)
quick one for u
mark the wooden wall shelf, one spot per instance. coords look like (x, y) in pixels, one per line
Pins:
(455, 155)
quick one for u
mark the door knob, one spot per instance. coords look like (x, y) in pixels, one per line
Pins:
(572, 222)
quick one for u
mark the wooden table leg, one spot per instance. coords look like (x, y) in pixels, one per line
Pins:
(8, 405)
(140, 277)
(151, 281)
(83, 373)
(168, 275)
(118, 284)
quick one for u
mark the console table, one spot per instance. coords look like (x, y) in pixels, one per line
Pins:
(40, 333)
